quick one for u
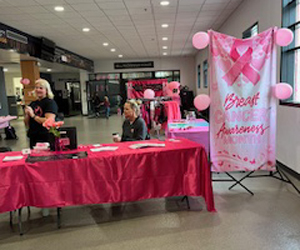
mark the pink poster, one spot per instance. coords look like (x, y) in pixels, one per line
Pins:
(136, 88)
(243, 110)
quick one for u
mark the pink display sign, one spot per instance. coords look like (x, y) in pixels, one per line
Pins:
(136, 88)
(243, 110)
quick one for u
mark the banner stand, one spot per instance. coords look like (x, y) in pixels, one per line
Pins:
(282, 177)
(237, 182)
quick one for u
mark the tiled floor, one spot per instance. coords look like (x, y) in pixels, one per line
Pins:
(268, 220)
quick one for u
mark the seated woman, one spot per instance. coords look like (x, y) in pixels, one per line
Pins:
(134, 127)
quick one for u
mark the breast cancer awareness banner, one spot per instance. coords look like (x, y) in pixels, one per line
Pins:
(136, 88)
(243, 110)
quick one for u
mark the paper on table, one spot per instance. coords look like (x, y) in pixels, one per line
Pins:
(147, 145)
(96, 145)
(174, 140)
(13, 158)
(104, 149)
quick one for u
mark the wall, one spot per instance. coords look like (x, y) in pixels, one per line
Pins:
(184, 64)
(12, 80)
(200, 58)
(268, 13)
(60, 79)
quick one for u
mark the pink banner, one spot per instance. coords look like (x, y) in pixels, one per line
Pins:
(135, 89)
(243, 110)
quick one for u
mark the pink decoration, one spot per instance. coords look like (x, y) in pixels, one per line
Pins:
(284, 37)
(149, 94)
(173, 85)
(282, 91)
(200, 40)
(25, 81)
(173, 89)
(202, 102)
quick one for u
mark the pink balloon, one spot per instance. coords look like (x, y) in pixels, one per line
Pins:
(284, 37)
(202, 102)
(283, 91)
(172, 93)
(173, 85)
(200, 40)
(25, 81)
(149, 94)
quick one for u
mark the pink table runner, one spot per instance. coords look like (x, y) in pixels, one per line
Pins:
(124, 175)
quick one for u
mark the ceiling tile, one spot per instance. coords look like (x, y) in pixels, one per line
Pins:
(33, 9)
(85, 6)
(79, 1)
(22, 2)
(111, 5)
(52, 2)
(213, 6)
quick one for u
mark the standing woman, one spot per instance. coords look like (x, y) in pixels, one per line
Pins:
(39, 111)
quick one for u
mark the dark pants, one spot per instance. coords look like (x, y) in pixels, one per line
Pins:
(42, 137)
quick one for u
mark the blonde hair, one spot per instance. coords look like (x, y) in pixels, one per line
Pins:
(135, 106)
(46, 85)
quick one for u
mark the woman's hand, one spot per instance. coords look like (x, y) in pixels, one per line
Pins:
(29, 111)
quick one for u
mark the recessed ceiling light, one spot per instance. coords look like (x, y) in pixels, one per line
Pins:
(164, 3)
(86, 29)
(165, 25)
(120, 56)
(5, 69)
(165, 39)
(165, 53)
(11, 50)
(112, 50)
(165, 47)
(59, 8)
(49, 70)
(105, 44)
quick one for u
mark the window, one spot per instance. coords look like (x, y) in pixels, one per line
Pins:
(199, 76)
(205, 74)
(252, 31)
(290, 55)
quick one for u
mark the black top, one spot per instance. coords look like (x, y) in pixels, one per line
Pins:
(136, 131)
(40, 108)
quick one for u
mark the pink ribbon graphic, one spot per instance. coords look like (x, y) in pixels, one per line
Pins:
(242, 65)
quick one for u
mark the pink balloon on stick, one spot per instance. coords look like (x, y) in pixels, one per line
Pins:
(25, 81)
(284, 37)
(282, 91)
(149, 94)
(200, 40)
(202, 102)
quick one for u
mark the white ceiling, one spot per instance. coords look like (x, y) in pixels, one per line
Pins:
(132, 27)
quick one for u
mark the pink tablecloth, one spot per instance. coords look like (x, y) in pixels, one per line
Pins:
(197, 131)
(4, 120)
(181, 168)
